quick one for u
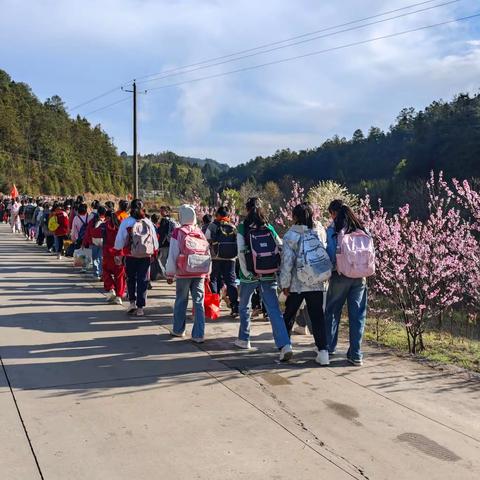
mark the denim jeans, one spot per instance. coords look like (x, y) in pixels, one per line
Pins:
(353, 291)
(59, 243)
(97, 254)
(162, 259)
(138, 273)
(268, 290)
(223, 273)
(184, 286)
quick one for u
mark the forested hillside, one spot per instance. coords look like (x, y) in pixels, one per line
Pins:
(43, 150)
(445, 136)
(172, 176)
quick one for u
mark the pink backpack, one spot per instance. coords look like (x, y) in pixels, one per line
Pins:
(194, 259)
(141, 245)
(355, 254)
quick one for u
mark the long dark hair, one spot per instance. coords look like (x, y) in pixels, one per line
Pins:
(345, 217)
(303, 214)
(113, 218)
(136, 209)
(255, 213)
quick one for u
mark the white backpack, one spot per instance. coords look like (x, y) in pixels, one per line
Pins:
(313, 264)
(142, 244)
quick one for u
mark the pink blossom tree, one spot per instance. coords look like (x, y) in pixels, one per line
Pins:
(284, 217)
(422, 265)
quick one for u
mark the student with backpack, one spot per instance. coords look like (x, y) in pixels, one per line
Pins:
(29, 213)
(259, 256)
(38, 217)
(165, 230)
(189, 263)
(21, 216)
(94, 236)
(222, 236)
(79, 225)
(306, 267)
(49, 236)
(113, 274)
(58, 224)
(352, 253)
(136, 243)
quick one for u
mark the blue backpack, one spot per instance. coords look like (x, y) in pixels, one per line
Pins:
(83, 229)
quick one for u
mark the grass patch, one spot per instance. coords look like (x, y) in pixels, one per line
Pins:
(439, 346)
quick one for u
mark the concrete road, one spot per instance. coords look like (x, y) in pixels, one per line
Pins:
(88, 393)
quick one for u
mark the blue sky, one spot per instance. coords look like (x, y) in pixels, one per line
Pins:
(79, 49)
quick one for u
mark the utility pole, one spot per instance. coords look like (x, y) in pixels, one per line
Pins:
(135, 153)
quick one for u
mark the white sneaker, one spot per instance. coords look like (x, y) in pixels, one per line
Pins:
(140, 312)
(299, 330)
(175, 334)
(286, 353)
(59, 257)
(243, 344)
(198, 339)
(117, 301)
(111, 296)
(322, 357)
(132, 308)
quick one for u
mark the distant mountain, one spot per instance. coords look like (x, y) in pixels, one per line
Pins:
(222, 167)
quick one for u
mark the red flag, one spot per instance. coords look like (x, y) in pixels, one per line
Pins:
(14, 192)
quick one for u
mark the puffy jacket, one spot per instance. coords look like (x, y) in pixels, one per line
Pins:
(62, 219)
(288, 275)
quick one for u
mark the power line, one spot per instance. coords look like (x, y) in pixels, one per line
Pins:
(106, 106)
(281, 47)
(318, 52)
(266, 45)
(108, 92)
(241, 52)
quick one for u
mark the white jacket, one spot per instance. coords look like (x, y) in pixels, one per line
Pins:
(288, 275)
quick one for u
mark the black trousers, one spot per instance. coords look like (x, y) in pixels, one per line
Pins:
(40, 236)
(314, 301)
(50, 240)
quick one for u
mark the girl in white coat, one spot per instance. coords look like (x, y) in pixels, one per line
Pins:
(309, 283)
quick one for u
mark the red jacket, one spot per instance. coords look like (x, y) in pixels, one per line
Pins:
(63, 224)
(95, 229)
(109, 240)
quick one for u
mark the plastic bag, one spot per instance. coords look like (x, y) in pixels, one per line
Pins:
(211, 303)
(82, 257)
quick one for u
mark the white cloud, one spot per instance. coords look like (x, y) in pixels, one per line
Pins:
(79, 48)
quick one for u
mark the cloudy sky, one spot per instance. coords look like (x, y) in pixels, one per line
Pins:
(79, 49)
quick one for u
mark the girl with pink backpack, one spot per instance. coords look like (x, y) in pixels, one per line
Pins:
(351, 251)
(189, 263)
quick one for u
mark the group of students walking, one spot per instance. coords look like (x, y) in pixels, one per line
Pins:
(321, 268)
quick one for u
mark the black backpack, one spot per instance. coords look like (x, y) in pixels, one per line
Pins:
(262, 255)
(224, 241)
